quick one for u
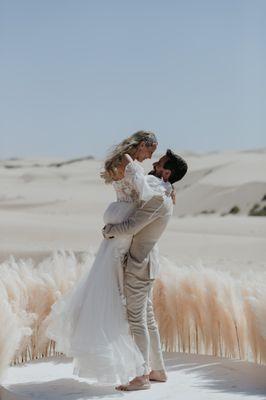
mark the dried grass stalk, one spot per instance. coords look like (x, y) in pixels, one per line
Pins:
(199, 310)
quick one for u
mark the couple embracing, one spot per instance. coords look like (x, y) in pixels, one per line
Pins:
(106, 322)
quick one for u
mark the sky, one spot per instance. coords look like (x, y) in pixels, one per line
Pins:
(77, 77)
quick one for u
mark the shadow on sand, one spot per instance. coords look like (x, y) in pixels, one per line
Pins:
(214, 374)
(220, 374)
(63, 389)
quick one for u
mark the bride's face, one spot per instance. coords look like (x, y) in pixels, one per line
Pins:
(144, 151)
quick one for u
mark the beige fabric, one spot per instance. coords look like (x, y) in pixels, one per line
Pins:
(142, 322)
(146, 225)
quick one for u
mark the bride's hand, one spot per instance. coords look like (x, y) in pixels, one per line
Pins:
(173, 195)
(105, 234)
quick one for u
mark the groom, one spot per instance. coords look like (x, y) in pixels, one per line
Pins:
(147, 225)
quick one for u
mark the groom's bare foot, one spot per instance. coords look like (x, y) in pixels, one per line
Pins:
(158, 376)
(138, 383)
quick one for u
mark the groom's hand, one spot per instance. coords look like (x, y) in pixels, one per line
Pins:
(105, 231)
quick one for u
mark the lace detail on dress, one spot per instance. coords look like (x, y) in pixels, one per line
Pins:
(127, 188)
(136, 186)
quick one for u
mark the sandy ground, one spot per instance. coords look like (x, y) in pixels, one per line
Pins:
(190, 376)
(44, 208)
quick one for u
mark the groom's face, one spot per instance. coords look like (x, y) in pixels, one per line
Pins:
(159, 170)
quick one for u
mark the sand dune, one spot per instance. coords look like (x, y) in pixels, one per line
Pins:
(215, 183)
(45, 208)
(218, 182)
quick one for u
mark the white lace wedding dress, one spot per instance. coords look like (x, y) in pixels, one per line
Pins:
(89, 323)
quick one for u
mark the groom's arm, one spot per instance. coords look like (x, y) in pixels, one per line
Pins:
(142, 217)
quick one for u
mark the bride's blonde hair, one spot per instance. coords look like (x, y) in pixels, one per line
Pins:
(127, 146)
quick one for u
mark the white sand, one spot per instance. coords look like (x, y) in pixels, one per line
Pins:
(47, 208)
(192, 377)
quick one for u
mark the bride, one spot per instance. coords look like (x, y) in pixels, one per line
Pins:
(89, 323)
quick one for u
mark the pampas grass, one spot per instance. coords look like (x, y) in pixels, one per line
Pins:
(27, 293)
(199, 310)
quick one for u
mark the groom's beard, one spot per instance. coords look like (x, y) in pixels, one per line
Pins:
(154, 173)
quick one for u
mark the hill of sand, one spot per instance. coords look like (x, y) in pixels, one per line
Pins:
(44, 207)
(217, 182)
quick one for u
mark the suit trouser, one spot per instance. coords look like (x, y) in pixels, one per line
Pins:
(143, 326)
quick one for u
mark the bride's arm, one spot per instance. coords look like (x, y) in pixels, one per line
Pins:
(128, 159)
(124, 168)
(138, 180)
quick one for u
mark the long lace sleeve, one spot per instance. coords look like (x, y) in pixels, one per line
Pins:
(146, 186)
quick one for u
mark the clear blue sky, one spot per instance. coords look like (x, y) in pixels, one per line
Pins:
(78, 76)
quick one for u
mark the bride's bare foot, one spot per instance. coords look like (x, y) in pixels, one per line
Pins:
(158, 376)
(138, 383)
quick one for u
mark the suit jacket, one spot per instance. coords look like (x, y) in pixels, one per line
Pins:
(146, 225)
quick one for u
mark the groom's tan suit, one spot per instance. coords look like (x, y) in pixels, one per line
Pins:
(146, 225)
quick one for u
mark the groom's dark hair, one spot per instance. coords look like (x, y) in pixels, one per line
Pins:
(177, 166)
